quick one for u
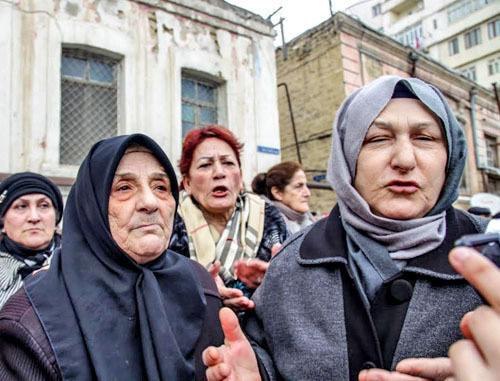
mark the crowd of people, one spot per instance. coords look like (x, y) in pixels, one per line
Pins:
(155, 280)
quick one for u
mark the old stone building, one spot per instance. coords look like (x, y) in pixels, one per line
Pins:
(328, 62)
(76, 71)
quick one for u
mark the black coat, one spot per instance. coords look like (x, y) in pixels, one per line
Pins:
(26, 353)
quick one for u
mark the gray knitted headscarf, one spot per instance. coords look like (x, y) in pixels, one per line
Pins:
(403, 239)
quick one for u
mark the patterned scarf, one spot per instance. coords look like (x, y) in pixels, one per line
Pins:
(239, 240)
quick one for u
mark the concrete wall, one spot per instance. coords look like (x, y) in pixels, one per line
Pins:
(155, 41)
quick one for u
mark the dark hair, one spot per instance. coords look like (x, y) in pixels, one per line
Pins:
(278, 176)
(197, 136)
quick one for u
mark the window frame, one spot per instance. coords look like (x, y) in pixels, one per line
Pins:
(494, 28)
(89, 55)
(453, 47)
(472, 38)
(197, 103)
(491, 143)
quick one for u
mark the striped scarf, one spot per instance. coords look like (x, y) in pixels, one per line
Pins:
(10, 278)
(239, 240)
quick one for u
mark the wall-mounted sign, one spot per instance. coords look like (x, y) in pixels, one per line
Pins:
(270, 150)
(319, 177)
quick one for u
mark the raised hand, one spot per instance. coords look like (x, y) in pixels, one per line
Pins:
(234, 360)
(231, 297)
(478, 357)
(251, 272)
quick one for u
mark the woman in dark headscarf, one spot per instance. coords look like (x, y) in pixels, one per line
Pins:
(31, 206)
(371, 284)
(115, 303)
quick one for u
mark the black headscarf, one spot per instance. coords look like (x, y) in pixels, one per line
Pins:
(23, 183)
(107, 317)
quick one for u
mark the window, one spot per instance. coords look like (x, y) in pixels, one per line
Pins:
(453, 46)
(411, 36)
(493, 185)
(463, 8)
(88, 102)
(494, 28)
(491, 151)
(377, 9)
(472, 38)
(199, 103)
(470, 73)
(435, 23)
(494, 66)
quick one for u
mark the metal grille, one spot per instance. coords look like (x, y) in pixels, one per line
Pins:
(199, 104)
(88, 102)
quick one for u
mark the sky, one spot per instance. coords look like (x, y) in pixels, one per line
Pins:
(299, 15)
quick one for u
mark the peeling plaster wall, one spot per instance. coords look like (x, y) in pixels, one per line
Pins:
(155, 41)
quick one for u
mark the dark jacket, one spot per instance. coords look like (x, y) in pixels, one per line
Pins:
(310, 322)
(26, 353)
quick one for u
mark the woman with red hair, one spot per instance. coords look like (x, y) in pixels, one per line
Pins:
(219, 225)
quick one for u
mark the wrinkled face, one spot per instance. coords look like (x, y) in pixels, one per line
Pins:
(214, 178)
(296, 194)
(141, 206)
(31, 221)
(401, 166)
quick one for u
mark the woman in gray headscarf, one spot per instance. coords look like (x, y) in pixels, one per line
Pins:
(370, 285)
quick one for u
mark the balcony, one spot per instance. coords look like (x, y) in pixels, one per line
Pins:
(398, 6)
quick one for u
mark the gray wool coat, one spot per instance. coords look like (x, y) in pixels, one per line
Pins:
(303, 328)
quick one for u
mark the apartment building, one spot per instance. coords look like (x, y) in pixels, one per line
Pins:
(462, 34)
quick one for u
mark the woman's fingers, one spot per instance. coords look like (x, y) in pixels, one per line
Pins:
(479, 271)
(385, 375)
(252, 272)
(221, 372)
(229, 292)
(438, 368)
(239, 304)
(211, 356)
(276, 247)
(467, 361)
(464, 326)
(484, 327)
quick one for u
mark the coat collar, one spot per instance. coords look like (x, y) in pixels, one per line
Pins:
(326, 243)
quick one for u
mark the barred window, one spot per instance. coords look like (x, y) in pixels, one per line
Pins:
(199, 103)
(88, 102)
(453, 47)
(472, 38)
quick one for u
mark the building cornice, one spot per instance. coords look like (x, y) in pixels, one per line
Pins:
(221, 15)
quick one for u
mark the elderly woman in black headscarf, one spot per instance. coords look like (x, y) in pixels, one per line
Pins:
(115, 303)
(31, 206)
(371, 284)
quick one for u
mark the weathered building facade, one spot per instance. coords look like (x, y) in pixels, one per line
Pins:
(327, 63)
(76, 71)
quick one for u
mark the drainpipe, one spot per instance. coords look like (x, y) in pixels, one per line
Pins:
(480, 166)
(292, 120)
